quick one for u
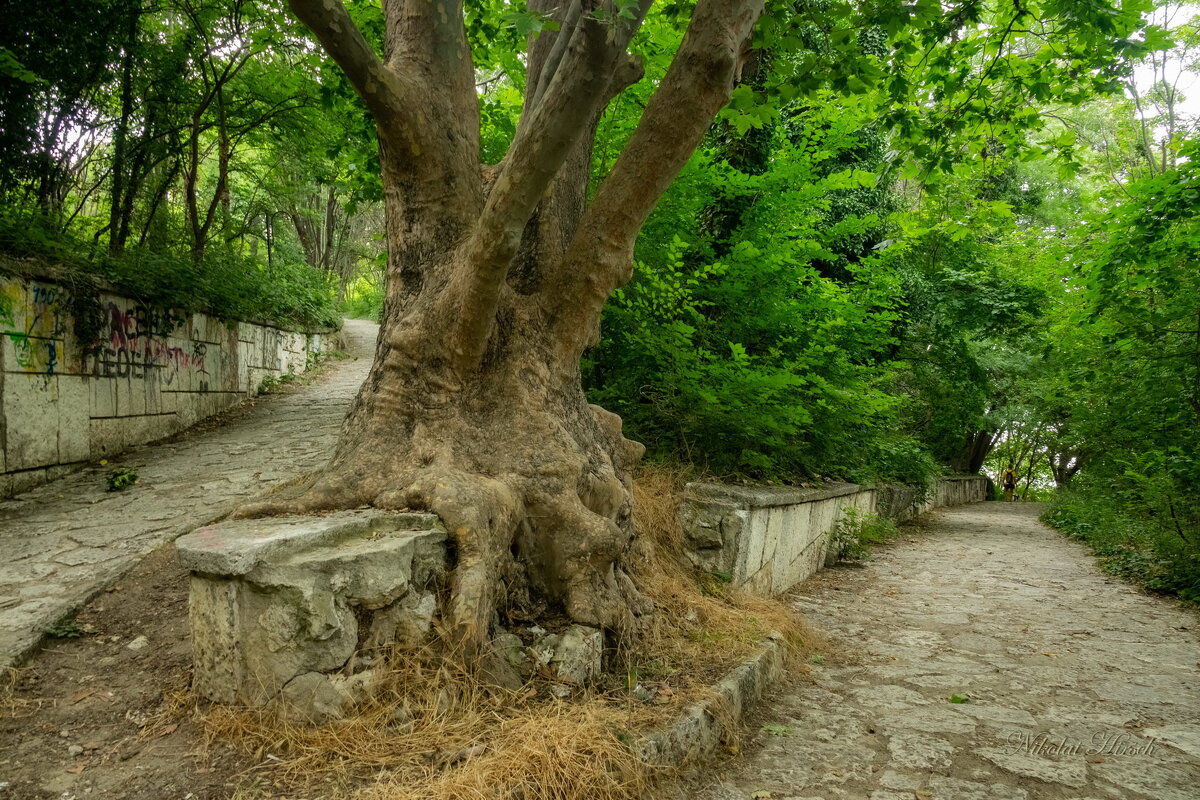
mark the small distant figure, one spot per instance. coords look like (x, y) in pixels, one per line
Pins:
(1008, 480)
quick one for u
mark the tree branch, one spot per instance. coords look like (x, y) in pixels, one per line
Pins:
(579, 85)
(697, 85)
(379, 87)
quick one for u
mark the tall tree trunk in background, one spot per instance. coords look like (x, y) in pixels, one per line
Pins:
(117, 231)
(975, 451)
(474, 408)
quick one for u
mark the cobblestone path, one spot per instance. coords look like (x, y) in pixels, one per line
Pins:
(63, 542)
(1075, 685)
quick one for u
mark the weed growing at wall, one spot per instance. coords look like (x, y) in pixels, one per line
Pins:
(855, 533)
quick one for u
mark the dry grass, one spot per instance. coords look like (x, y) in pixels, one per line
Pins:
(437, 733)
(702, 628)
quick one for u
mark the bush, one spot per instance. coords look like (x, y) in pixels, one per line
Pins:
(225, 284)
(856, 533)
(1146, 550)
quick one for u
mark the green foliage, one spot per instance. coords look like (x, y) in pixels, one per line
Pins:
(1130, 540)
(66, 628)
(1127, 378)
(120, 479)
(363, 298)
(731, 348)
(223, 284)
(855, 533)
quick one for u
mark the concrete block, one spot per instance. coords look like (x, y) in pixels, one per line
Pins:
(236, 547)
(150, 390)
(74, 401)
(773, 532)
(214, 607)
(131, 397)
(245, 352)
(278, 600)
(30, 421)
(103, 400)
(754, 541)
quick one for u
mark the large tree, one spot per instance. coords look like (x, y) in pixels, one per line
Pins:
(497, 275)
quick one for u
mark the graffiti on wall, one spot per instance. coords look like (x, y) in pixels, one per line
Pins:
(32, 323)
(136, 347)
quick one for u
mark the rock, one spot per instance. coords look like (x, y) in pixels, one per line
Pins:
(313, 698)
(236, 547)
(507, 665)
(400, 717)
(356, 688)
(577, 655)
(919, 751)
(75, 750)
(414, 624)
(406, 622)
(511, 647)
(140, 643)
(1041, 769)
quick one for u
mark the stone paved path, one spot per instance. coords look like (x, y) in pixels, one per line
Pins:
(1058, 662)
(63, 542)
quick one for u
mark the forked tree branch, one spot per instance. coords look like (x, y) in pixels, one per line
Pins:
(379, 87)
(579, 85)
(697, 85)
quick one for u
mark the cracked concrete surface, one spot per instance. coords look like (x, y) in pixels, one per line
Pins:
(1076, 685)
(62, 543)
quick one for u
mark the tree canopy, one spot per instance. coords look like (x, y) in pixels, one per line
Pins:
(875, 241)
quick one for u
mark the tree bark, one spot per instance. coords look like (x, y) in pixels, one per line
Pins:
(474, 408)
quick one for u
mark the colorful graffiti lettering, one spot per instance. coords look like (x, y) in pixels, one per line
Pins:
(132, 348)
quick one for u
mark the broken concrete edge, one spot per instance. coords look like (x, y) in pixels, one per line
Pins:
(770, 496)
(767, 496)
(701, 726)
(237, 547)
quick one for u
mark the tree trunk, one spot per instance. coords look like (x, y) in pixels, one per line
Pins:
(474, 408)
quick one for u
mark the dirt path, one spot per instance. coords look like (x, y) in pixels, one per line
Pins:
(1076, 685)
(65, 541)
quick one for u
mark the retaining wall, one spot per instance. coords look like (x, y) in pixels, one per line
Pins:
(147, 374)
(770, 538)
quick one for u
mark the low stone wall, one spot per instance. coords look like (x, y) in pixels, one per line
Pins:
(770, 538)
(148, 374)
(296, 609)
(300, 612)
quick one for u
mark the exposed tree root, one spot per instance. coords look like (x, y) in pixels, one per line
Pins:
(537, 494)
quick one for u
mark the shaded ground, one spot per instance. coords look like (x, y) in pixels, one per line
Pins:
(1069, 683)
(92, 718)
(62, 542)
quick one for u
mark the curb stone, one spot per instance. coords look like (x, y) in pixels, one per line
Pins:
(701, 726)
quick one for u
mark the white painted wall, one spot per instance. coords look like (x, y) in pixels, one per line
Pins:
(149, 376)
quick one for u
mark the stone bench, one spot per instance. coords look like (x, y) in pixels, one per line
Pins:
(294, 609)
